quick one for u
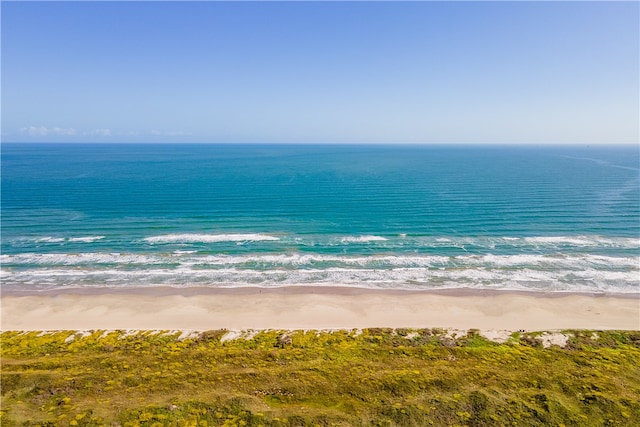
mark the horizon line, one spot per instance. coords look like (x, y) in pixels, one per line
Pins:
(461, 143)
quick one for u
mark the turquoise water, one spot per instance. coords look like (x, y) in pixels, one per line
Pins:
(400, 217)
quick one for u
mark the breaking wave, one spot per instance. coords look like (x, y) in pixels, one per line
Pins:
(551, 272)
(586, 280)
(362, 239)
(209, 238)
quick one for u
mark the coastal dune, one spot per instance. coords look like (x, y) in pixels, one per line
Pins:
(314, 308)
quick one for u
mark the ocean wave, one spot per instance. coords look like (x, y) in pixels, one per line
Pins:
(306, 260)
(576, 241)
(535, 241)
(297, 260)
(588, 280)
(549, 273)
(481, 243)
(209, 238)
(58, 239)
(87, 239)
(583, 241)
(49, 239)
(551, 261)
(96, 258)
(362, 239)
(464, 244)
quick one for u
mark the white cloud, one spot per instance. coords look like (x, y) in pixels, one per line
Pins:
(101, 132)
(169, 133)
(58, 131)
(44, 131)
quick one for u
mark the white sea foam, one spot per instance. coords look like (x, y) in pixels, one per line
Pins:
(583, 241)
(543, 263)
(80, 259)
(465, 243)
(87, 239)
(587, 280)
(362, 239)
(209, 238)
(49, 239)
(296, 260)
(54, 239)
(510, 260)
(576, 241)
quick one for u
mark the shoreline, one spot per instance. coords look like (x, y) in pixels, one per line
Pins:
(303, 289)
(298, 307)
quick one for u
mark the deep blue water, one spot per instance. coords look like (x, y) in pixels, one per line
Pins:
(489, 217)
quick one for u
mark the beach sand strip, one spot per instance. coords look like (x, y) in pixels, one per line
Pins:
(314, 308)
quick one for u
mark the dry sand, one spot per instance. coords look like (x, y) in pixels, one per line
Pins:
(314, 308)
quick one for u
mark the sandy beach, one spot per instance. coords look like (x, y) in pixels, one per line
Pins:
(314, 308)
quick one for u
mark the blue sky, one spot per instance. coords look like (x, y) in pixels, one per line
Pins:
(356, 72)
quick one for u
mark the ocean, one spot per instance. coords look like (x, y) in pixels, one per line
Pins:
(545, 218)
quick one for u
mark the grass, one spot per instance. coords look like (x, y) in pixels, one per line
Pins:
(379, 377)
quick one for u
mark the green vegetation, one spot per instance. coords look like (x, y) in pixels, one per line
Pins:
(379, 377)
